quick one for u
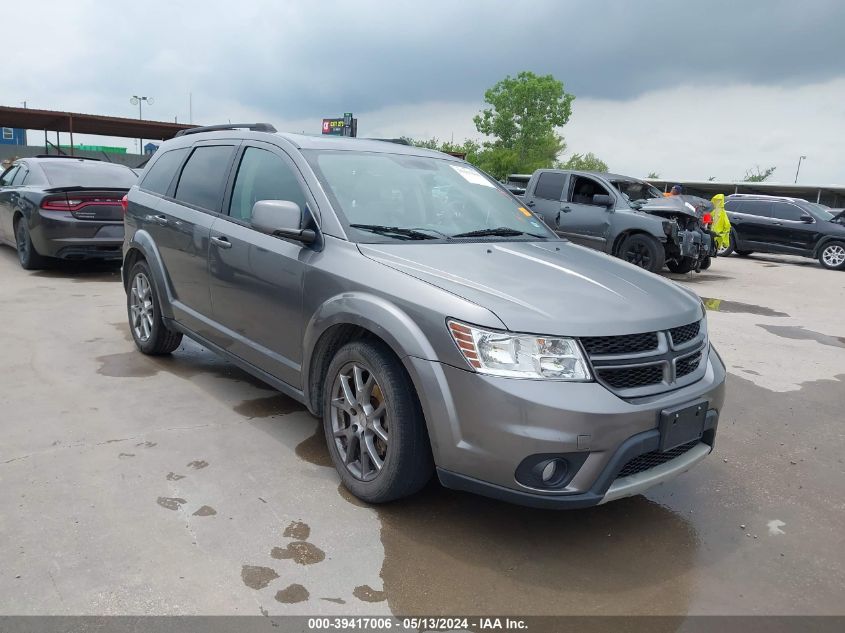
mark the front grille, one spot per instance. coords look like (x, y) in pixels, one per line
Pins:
(681, 335)
(687, 365)
(625, 344)
(652, 459)
(631, 377)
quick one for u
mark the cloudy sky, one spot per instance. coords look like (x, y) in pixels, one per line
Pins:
(687, 89)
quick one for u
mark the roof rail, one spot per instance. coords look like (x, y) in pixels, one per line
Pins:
(62, 156)
(253, 127)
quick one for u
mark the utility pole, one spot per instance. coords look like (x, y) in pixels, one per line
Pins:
(799, 167)
(139, 101)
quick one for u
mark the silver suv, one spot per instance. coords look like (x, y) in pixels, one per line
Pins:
(429, 319)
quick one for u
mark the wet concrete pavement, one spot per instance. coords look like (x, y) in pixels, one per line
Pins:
(131, 485)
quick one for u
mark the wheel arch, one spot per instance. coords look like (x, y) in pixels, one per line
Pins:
(827, 239)
(617, 242)
(142, 246)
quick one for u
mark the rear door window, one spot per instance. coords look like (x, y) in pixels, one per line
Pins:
(204, 176)
(163, 170)
(20, 177)
(761, 208)
(262, 175)
(550, 185)
(787, 211)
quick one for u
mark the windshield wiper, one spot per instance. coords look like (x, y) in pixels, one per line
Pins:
(411, 234)
(501, 231)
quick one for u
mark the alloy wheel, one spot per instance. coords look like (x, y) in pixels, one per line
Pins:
(359, 421)
(834, 255)
(141, 307)
(639, 255)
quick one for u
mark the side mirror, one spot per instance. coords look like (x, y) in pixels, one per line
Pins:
(807, 219)
(281, 218)
(602, 200)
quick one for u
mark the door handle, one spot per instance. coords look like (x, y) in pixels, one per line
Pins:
(530, 203)
(221, 242)
(778, 223)
(566, 209)
(160, 219)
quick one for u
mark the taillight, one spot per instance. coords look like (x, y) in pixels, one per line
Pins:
(60, 204)
(78, 201)
(124, 203)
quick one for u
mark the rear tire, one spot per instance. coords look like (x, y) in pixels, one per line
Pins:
(832, 256)
(728, 251)
(27, 255)
(374, 425)
(151, 335)
(643, 251)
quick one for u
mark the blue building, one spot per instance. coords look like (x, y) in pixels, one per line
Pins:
(12, 136)
(150, 148)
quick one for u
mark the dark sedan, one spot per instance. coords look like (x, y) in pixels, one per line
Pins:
(63, 208)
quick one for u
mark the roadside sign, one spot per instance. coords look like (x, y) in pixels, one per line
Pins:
(345, 126)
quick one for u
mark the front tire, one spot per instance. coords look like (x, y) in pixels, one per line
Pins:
(643, 251)
(28, 257)
(832, 256)
(374, 425)
(148, 330)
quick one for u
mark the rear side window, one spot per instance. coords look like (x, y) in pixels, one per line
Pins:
(550, 185)
(204, 176)
(263, 175)
(20, 177)
(786, 211)
(9, 176)
(750, 207)
(161, 172)
(67, 172)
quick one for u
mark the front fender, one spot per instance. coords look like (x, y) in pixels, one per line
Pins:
(385, 319)
(142, 242)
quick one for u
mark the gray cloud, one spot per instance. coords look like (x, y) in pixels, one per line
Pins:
(308, 60)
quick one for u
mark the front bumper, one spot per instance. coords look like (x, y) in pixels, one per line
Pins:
(483, 427)
(65, 237)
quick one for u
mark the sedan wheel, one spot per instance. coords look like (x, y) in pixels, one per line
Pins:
(359, 421)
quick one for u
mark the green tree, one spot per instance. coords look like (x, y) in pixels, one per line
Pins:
(653, 175)
(584, 162)
(520, 123)
(756, 175)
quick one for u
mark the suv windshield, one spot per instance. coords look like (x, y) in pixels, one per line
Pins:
(383, 197)
(820, 211)
(636, 190)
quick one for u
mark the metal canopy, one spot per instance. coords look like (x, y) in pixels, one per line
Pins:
(79, 123)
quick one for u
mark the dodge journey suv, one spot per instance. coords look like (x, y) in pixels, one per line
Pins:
(432, 321)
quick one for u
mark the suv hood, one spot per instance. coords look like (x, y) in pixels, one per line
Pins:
(546, 287)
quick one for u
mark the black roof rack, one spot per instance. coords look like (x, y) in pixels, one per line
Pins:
(65, 156)
(253, 127)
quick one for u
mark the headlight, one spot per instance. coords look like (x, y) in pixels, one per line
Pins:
(519, 355)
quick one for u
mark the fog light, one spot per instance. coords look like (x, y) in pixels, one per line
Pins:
(549, 471)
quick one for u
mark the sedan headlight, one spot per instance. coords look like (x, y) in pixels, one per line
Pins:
(520, 355)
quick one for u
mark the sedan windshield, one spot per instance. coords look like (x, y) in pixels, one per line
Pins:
(384, 197)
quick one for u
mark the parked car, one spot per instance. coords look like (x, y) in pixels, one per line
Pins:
(429, 319)
(63, 208)
(791, 226)
(625, 217)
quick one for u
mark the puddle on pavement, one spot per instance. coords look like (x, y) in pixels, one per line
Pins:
(171, 503)
(737, 307)
(798, 332)
(257, 577)
(292, 593)
(189, 360)
(300, 552)
(297, 530)
(278, 404)
(365, 593)
(313, 449)
(698, 277)
(205, 511)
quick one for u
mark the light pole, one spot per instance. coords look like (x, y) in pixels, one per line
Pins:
(139, 101)
(799, 167)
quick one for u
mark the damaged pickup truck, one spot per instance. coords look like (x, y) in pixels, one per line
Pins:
(624, 217)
